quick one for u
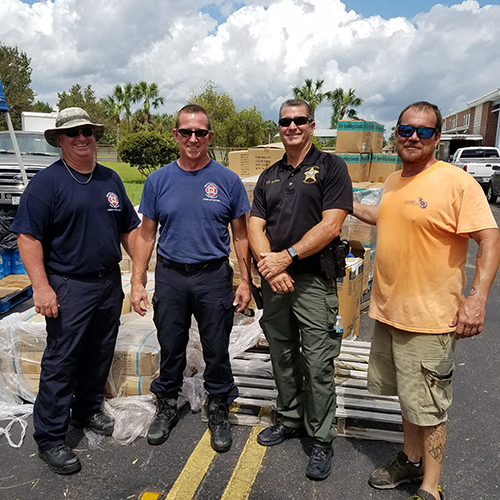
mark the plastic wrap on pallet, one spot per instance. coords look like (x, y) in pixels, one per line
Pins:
(242, 337)
(137, 347)
(13, 387)
(132, 415)
(22, 342)
(356, 229)
(12, 409)
(8, 239)
(252, 367)
(370, 196)
(245, 336)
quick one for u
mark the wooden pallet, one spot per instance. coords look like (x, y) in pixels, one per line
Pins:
(359, 413)
(14, 289)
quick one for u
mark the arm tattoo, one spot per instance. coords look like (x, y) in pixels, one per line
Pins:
(436, 442)
(473, 291)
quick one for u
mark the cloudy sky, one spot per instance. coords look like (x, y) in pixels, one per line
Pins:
(391, 52)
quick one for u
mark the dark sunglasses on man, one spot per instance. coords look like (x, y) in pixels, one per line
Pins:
(422, 132)
(75, 132)
(185, 132)
(298, 120)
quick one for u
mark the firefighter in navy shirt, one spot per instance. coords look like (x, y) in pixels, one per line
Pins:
(71, 220)
(193, 200)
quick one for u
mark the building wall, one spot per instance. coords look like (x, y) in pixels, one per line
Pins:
(491, 126)
(464, 120)
(481, 119)
(478, 116)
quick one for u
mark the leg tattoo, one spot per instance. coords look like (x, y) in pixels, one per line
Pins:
(436, 442)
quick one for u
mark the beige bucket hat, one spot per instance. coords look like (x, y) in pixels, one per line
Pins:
(72, 118)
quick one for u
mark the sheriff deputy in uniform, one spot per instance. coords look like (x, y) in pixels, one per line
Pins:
(299, 205)
(72, 218)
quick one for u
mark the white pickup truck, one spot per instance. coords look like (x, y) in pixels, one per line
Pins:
(37, 154)
(478, 161)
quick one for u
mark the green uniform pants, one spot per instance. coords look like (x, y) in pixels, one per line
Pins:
(299, 327)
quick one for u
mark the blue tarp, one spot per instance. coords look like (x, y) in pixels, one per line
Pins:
(3, 102)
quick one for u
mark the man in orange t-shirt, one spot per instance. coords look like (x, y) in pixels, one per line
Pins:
(426, 217)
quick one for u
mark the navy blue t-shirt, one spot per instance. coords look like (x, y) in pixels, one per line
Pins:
(194, 209)
(79, 226)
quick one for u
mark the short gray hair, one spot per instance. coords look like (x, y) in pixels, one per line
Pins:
(293, 103)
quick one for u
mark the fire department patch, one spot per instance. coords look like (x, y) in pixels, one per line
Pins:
(211, 190)
(113, 200)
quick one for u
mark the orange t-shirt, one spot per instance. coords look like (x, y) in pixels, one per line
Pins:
(423, 228)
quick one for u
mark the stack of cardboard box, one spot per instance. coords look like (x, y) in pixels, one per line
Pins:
(359, 136)
(137, 354)
(382, 165)
(23, 343)
(349, 290)
(253, 161)
(360, 144)
(135, 364)
(356, 140)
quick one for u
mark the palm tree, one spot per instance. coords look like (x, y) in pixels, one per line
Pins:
(113, 108)
(311, 93)
(343, 103)
(150, 94)
(270, 131)
(125, 95)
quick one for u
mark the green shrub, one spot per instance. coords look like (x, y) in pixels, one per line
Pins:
(147, 151)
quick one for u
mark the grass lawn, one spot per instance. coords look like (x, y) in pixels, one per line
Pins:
(131, 179)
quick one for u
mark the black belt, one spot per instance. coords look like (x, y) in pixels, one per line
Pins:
(309, 265)
(92, 275)
(190, 267)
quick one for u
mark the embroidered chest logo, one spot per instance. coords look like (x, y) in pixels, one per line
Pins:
(310, 175)
(113, 200)
(421, 203)
(211, 190)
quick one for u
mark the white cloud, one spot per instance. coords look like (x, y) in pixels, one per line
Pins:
(448, 56)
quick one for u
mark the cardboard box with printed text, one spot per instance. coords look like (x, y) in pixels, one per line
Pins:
(349, 290)
(358, 136)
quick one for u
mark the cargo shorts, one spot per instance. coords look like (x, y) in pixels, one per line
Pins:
(416, 367)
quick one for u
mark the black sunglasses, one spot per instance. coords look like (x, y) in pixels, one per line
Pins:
(185, 132)
(75, 132)
(422, 132)
(298, 120)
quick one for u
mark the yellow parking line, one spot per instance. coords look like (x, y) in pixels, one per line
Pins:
(246, 469)
(194, 471)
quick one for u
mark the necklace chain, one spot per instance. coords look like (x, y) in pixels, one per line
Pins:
(71, 173)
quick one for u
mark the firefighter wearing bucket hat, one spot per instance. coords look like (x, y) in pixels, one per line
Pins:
(72, 218)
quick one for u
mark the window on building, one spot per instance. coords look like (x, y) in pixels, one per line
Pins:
(466, 120)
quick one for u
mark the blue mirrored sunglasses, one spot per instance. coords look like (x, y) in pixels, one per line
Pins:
(422, 132)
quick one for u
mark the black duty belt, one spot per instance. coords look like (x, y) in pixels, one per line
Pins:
(309, 265)
(92, 275)
(190, 267)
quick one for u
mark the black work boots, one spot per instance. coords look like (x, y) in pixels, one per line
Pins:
(218, 411)
(166, 418)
